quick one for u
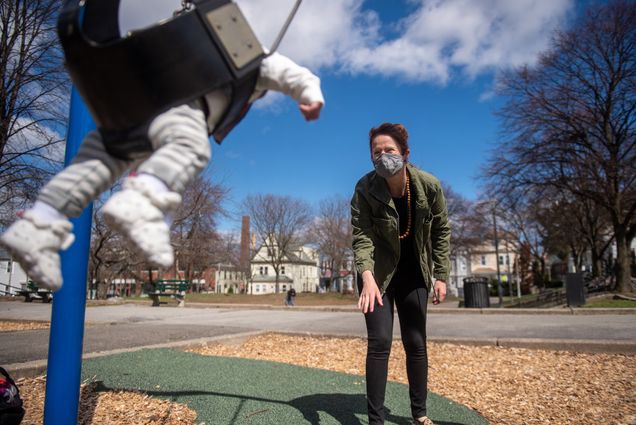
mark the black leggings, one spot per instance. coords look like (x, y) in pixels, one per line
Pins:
(410, 301)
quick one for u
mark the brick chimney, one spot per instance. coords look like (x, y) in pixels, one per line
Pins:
(245, 242)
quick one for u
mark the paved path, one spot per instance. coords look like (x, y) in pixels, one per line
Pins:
(128, 325)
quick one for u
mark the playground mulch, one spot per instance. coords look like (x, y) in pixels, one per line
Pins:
(505, 385)
(21, 325)
(107, 407)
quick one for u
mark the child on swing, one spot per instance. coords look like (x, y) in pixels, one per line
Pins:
(141, 210)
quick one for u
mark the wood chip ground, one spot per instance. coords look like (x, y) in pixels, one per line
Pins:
(107, 407)
(507, 385)
(20, 325)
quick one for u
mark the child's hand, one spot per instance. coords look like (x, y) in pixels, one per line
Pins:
(311, 111)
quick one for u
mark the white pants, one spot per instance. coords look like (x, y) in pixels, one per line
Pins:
(181, 150)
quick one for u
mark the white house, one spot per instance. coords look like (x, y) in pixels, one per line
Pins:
(12, 277)
(460, 269)
(299, 270)
(228, 278)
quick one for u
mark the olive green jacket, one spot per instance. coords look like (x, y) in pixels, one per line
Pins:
(376, 244)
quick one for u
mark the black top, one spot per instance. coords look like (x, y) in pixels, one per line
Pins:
(408, 268)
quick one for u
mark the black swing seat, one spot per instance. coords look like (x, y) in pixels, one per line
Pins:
(127, 81)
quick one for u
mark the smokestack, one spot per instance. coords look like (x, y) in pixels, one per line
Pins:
(245, 242)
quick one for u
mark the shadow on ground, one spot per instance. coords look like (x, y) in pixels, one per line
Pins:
(239, 391)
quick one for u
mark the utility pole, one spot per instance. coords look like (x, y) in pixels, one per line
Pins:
(499, 290)
(509, 278)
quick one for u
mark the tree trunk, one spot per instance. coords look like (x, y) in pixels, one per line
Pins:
(102, 290)
(543, 272)
(623, 269)
(597, 266)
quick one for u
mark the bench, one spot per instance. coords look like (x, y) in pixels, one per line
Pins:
(546, 298)
(31, 292)
(173, 288)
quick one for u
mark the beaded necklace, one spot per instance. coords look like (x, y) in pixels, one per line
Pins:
(408, 207)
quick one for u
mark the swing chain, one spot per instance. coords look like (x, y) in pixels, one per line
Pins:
(186, 6)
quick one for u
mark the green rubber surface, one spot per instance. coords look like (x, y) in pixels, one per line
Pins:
(228, 391)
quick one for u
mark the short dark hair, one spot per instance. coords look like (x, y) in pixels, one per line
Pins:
(396, 131)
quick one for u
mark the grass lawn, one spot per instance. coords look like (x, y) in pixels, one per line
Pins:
(302, 299)
(609, 303)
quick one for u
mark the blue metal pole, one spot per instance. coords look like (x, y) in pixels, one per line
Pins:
(69, 303)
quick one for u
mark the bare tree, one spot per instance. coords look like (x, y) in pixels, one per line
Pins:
(280, 222)
(515, 215)
(110, 257)
(571, 121)
(33, 98)
(469, 225)
(195, 238)
(332, 231)
(574, 226)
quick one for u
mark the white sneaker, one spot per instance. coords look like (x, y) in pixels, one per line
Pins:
(138, 214)
(36, 244)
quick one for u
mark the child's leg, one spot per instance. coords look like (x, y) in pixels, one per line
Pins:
(36, 239)
(180, 139)
(182, 149)
(92, 171)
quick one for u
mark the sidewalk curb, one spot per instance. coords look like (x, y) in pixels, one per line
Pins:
(432, 310)
(38, 367)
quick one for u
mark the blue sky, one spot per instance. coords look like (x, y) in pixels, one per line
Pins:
(429, 64)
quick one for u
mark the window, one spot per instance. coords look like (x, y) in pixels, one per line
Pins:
(507, 260)
(483, 260)
(501, 260)
(9, 264)
(260, 270)
(266, 270)
(282, 269)
(258, 288)
(284, 287)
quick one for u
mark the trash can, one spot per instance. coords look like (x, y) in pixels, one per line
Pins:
(476, 292)
(574, 289)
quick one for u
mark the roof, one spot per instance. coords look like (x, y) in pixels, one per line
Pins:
(289, 259)
(264, 278)
(484, 270)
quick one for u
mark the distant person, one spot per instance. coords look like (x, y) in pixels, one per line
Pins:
(401, 240)
(291, 297)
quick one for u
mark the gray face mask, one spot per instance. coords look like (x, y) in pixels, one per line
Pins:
(388, 165)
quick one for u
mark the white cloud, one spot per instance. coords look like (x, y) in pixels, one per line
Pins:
(469, 36)
(36, 140)
(439, 41)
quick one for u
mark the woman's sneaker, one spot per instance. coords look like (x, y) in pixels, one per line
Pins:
(36, 245)
(138, 214)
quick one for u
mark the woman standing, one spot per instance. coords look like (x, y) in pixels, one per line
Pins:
(401, 239)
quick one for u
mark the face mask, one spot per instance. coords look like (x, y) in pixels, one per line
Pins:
(388, 164)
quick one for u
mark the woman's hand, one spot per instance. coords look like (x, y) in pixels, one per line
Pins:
(439, 291)
(370, 293)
